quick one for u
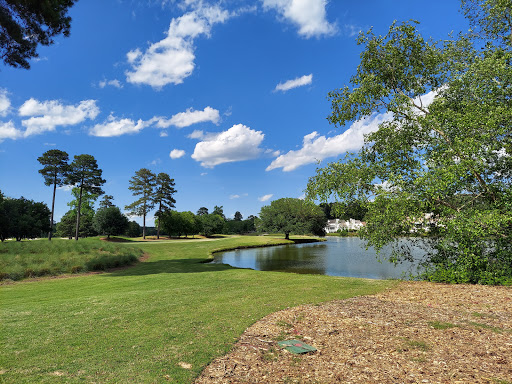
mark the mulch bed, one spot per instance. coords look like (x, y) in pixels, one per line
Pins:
(417, 332)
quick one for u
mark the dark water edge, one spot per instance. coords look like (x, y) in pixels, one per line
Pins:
(337, 256)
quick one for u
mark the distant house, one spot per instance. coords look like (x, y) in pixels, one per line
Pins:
(350, 225)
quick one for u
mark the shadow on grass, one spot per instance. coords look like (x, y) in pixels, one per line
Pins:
(170, 266)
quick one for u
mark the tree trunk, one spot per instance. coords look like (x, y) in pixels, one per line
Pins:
(53, 208)
(287, 236)
(144, 223)
(78, 214)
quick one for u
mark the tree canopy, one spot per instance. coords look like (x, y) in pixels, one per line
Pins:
(290, 215)
(22, 218)
(440, 162)
(110, 221)
(25, 24)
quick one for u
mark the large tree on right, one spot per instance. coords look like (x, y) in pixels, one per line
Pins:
(439, 165)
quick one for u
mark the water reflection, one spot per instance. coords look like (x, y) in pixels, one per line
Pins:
(338, 256)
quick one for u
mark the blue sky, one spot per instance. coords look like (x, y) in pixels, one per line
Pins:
(227, 97)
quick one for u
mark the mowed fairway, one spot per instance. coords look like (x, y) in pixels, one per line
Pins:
(162, 320)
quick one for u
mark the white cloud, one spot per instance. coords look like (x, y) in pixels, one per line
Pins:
(238, 143)
(171, 60)
(204, 173)
(265, 197)
(189, 117)
(232, 197)
(316, 147)
(196, 134)
(298, 82)
(47, 115)
(163, 134)
(117, 127)
(9, 131)
(114, 83)
(308, 15)
(5, 103)
(176, 153)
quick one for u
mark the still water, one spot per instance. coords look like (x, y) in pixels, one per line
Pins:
(338, 256)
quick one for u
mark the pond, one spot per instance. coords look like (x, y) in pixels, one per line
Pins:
(338, 256)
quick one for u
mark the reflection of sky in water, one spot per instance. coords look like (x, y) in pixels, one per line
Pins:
(338, 256)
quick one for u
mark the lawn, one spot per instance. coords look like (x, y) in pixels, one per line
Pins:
(162, 320)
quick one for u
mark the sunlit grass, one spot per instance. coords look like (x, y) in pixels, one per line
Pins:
(162, 320)
(36, 258)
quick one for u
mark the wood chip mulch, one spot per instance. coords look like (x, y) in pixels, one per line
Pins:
(417, 332)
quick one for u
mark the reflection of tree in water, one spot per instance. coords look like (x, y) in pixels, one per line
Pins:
(292, 258)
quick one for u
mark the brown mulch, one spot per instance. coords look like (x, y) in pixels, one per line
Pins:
(417, 332)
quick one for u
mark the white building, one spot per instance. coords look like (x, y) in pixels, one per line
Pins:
(349, 225)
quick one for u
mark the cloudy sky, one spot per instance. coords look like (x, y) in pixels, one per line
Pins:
(228, 97)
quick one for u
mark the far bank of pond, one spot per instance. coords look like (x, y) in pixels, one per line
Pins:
(337, 256)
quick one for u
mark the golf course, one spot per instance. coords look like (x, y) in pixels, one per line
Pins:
(164, 319)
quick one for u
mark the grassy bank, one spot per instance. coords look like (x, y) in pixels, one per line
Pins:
(24, 259)
(162, 320)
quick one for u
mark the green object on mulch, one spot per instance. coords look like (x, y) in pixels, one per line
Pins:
(296, 346)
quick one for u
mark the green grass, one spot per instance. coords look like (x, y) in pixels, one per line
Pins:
(139, 324)
(19, 260)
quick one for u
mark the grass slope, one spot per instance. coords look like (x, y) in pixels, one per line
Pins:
(141, 324)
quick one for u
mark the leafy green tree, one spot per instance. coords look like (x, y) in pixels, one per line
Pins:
(142, 184)
(133, 229)
(163, 196)
(219, 210)
(86, 176)
(110, 221)
(24, 218)
(106, 201)
(440, 163)
(290, 215)
(202, 211)
(66, 227)
(55, 168)
(238, 216)
(25, 24)
(211, 224)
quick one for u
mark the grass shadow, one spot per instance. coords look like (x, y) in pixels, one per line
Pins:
(170, 266)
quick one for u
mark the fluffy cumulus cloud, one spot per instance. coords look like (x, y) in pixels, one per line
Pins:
(47, 115)
(308, 15)
(116, 127)
(298, 82)
(238, 143)
(190, 117)
(176, 153)
(171, 60)
(316, 147)
(265, 197)
(9, 131)
(5, 103)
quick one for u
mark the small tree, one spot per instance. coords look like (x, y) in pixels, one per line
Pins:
(238, 216)
(142, 184)
(163, 196)
(290, 215)
(211, 224)
(55, 169)
(134, 229)
(86, 175)
(110, 221)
